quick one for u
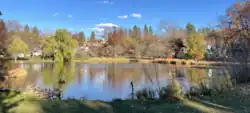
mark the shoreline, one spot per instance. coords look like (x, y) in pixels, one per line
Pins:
(105, 60)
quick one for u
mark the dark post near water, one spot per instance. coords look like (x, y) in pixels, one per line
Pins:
(132, 88)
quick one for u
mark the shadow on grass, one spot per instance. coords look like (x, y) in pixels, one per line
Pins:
(236, 101)
(26, 103)
(211, 104)
(6, 102)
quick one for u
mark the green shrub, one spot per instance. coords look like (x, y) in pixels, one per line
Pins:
(145, 94)
(171, 91)
(206, 55)
(188, 56)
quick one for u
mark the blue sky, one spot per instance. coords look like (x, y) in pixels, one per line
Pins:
(88, 15)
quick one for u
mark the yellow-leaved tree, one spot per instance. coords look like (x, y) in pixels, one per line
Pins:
(18, 46)
(196, 46)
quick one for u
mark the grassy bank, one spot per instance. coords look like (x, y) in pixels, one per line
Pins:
(88, 60)
(127, 60)
(236, 101)
(35, 61)
(184, 62)
(104, 60)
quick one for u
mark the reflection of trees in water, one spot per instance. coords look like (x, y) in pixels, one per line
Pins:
(80, 73)
(93, 72)
(150, 71)
(218, 81)
(118, 75)
(156, 73)
(52, 74)
(112, 74)
(221, 81)
(8, 82)
(8, 65)
(15, 83)
(32, 74)
(199, 77)
(195, 75)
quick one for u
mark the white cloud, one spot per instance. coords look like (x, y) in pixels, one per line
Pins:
(97, 29)
(55, 14)
(136, 15)
(106, 2)
(70, 16)
(123, 17)
(106, 25)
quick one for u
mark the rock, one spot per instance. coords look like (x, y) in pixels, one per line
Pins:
(39, 93)
(17, 72)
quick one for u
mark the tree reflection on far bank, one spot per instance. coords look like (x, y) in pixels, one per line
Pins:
(106, 81)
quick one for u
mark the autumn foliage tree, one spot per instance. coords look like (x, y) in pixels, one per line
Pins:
(3, 35)
(196, 46)
(136, 33)
(235, 30)
(80, 37)
(115, 38)
(18, 46)
(237, 21)
(195, 43)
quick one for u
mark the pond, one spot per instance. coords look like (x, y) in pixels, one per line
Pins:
(109, 81)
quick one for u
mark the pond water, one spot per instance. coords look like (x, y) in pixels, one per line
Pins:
(109, 81)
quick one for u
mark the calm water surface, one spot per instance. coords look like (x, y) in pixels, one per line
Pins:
(109, 81)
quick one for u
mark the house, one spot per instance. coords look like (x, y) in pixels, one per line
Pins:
(37, 53)
(182, 53)
(21, 55)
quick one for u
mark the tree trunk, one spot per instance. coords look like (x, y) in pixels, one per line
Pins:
(15, 58)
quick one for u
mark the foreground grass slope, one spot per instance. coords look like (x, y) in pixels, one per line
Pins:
(236, 101)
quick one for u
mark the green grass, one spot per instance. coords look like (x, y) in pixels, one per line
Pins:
(231, 102)
(34, 60)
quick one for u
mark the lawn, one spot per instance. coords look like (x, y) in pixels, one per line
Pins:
(235, 101)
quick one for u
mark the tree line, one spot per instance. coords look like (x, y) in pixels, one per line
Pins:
(173, 42)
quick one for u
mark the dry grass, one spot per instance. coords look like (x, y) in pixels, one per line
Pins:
(105, 60)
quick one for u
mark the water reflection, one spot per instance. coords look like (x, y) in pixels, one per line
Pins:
(108, 81)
